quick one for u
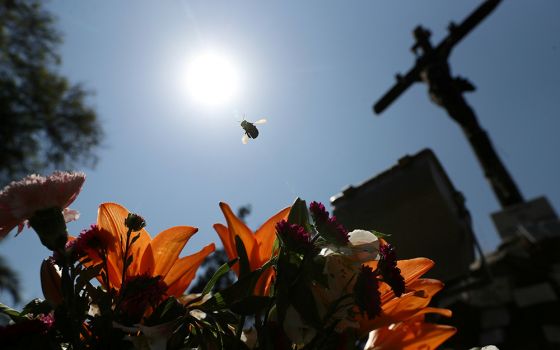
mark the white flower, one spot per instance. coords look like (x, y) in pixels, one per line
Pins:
(364, 245)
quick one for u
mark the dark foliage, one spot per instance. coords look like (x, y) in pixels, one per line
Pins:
(45, 122)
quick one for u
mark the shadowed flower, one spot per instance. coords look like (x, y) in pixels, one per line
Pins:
(328, 227)
(48, 320)
(388, 269)
(318, 212)
(150, 257)
(140, 293)
(12, 334)
(91, 242)
(258, 245)
(21, 200)
(51, 282)
(294, 236)
(412, 304)
(366, 293)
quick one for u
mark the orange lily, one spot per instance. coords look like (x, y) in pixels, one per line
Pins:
(151, 257)
(258, 244)
(409, 335)
(400, 324)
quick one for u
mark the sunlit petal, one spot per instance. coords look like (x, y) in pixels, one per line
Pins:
(266, 234)
(408, 305)
(408, 336)
(164, 250)
(411, 269)
(237, 227)
(227, 240)
(111, 217)
(184, 270)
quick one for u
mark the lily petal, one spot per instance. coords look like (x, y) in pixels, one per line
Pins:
(164, 250)
(407, 306)
(183, 271)
(411, 270)
(227, 240)
(265, 236)
(111, 217)
(409, 336)
(237, 227)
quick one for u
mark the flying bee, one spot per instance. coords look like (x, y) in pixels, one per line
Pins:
(251, 131)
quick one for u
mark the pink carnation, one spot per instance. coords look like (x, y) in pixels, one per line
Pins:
(21, 199)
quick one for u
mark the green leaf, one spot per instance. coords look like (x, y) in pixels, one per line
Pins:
(314, 269)
(128, 261)
(244, 265)
(217, 302)
(86, 275)
(251, 305)
(135, 238)
(14, 314)
(275, 246)
(286, 274)
(235, 293)
(300, 215)
(379, 234)
(304, 302)
(36, 306)
(225, 268)
(167, 311)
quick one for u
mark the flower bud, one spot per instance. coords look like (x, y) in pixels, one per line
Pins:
(50, 227)
(51, 282)
(134, 222)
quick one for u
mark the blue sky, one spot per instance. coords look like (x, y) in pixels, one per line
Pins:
(313, 69)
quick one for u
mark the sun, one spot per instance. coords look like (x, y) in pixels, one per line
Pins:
(212, 79)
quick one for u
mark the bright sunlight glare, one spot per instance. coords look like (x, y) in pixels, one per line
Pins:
(212, 79)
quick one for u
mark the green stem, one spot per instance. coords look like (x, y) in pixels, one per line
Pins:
(67, 282)
(106, 268)
(239, 330)
(125, 256)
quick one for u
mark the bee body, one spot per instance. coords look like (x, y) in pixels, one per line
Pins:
(251, 131)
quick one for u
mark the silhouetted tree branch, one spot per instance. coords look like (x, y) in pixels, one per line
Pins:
(45, 122)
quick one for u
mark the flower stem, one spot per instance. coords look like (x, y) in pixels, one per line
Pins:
(125, 255)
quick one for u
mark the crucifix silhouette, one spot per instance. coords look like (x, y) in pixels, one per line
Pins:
(432, 68)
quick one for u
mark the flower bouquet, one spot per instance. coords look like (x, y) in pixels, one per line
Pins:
(303, 282)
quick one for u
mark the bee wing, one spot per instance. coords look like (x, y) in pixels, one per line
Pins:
(260, 121)
(245, 139)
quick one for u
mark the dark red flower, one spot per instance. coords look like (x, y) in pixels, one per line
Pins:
(47, 320)
(388, 269)
(294, 236)
(328, 227)
(139, 294)
(366, 292)
(91, 242)
(318, 212)
(39, 326)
